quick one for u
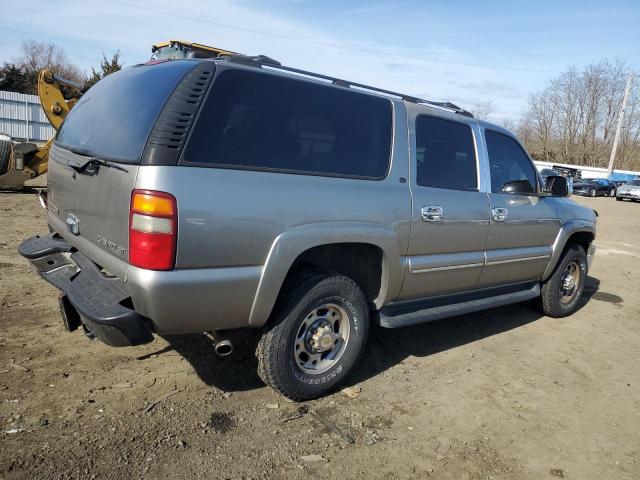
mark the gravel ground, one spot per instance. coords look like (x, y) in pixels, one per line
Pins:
(502, 394)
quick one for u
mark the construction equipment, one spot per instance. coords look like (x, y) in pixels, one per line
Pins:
(176, 49)
(20, 162)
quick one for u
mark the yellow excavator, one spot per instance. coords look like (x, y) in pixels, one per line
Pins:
(20, 162)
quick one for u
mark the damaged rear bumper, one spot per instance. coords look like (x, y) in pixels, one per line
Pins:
(102, 302)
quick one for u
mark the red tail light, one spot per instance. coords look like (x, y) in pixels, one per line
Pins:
(153, 230)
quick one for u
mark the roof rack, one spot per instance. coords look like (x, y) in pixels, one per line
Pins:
(264, 61)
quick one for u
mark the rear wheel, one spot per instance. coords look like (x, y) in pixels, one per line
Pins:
(592, 192)
(315, 337)
(612, 193)
(562, 291)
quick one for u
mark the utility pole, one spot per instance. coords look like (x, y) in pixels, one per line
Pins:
(619, 127)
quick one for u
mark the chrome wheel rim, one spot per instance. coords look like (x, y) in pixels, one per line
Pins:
(570, 281)
(322, 338)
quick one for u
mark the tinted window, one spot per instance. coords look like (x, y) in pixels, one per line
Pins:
(508, 162)
(262, 121)
(445, 154)
(114, 118)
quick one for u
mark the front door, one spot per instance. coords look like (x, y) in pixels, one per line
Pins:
(523, 226)
(450, 219)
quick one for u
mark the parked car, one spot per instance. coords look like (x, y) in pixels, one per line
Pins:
(595, 187)
(217, 195)
(629, 191)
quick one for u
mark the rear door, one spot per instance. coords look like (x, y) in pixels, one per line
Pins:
(94, 162)
(523, 226)
(450, 219)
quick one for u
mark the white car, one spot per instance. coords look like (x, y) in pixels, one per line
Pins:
(630, 190)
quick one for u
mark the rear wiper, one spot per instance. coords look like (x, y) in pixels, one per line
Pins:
(94, 162)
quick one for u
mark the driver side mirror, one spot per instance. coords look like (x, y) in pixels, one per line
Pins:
(557, 186)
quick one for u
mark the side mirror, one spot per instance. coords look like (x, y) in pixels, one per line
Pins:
(521, 187)
(557, 186)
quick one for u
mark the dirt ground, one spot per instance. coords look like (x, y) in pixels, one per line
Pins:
(503, 394)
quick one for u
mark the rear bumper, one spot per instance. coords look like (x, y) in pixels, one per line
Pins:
(101, 301)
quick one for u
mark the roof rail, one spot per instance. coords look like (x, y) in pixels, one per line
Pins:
(264, 61)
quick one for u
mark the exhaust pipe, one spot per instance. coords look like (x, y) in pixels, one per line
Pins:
(221, 344)
(223, 348)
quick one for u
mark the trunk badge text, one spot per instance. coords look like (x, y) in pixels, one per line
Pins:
(73, 224)
(110, 245)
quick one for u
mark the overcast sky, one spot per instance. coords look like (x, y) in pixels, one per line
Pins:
(441, 50)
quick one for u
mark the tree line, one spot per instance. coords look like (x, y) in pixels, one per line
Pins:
(20, 74)
(574, 118)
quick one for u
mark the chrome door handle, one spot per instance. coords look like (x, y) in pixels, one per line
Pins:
(432, 213)
(499, 214)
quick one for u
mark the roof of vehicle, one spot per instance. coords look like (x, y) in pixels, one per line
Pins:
(262, 61)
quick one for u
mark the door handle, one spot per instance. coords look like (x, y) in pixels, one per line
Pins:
(499, 214)
(432, 213)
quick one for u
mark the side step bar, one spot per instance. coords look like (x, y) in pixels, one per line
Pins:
(444, 311)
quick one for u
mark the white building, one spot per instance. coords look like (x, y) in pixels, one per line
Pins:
(22, 118)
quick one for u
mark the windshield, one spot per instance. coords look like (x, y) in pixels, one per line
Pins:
(114, 118)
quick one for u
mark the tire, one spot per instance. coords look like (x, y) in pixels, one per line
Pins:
(5, 156)
(553, 300)
(612, 193)
(284, 362)
(592, 192)
(619, 199)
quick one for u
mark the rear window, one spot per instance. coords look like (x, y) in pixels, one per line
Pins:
(267, 122)
(114, 118)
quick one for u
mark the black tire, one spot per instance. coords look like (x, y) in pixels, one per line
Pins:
(5, 156)
(278, 365)
(619, 199)
(551, 295)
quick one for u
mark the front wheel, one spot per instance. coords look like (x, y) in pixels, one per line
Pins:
(562, 291)
(315, 336)
(619, 199)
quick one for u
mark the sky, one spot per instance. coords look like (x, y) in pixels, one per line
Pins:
(459, 51)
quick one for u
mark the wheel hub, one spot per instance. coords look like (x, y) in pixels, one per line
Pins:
(322, 339)
(568, 281)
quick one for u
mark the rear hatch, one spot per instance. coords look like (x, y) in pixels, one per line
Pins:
(94, 162)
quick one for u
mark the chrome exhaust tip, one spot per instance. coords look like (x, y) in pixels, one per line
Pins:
(223, 348)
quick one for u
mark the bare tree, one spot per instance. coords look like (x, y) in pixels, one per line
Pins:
(34, 56)
(573, 119)
(482, 109)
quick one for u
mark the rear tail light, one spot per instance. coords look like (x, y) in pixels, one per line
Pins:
(153, 230)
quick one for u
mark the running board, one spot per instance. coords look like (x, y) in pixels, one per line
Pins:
(444, 311)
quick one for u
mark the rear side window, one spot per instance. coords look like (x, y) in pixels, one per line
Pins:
(114, 118)
(266, 122)
(445, 154)
(508, 162)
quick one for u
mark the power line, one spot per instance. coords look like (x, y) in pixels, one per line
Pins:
(327, 44)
